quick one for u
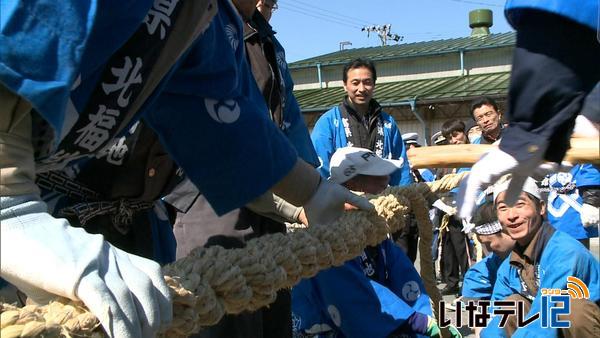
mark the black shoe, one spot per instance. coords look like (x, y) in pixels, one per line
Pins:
(449, 290)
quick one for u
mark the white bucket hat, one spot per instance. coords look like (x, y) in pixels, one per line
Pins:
(348, 162)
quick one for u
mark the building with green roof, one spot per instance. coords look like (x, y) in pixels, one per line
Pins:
(421, 84)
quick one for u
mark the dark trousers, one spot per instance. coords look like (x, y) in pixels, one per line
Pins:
(456, 260)
(200, 226)
(274, 321)
(408, 238)
(555, 67)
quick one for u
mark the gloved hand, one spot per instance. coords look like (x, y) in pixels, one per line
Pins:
(467, 225)
(590, 215)
(490, 167)
(44, 256)
(451, 211)
(426, 325)
(433, 329)
(327, 203)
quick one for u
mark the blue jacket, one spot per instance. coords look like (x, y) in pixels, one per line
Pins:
(564, 201)
(427, 175)
(584, 12)
(329, 135)
(207, 111)
(562, 256)
(294, 126)
(480, 278)
(344, 300)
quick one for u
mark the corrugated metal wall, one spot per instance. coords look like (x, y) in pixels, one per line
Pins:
(475, 62)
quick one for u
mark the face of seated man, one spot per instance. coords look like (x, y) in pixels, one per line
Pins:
(499, 243)
(522, 219)
(367, 183)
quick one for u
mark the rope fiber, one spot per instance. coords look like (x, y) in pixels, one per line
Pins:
(213, 281)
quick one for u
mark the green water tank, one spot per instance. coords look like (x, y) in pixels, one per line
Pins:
(480, 20)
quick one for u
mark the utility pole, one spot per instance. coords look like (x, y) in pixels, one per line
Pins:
(384, 33)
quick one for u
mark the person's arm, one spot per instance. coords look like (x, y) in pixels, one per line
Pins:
(297, 131)
(477, 282)
(547, 91)
(276, 208)
(63, 260)
(217, 129)
(322, 139)
(402, 176)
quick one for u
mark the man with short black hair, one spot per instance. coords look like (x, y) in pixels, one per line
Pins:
(543, 258)
(485, 113)
(359, 121)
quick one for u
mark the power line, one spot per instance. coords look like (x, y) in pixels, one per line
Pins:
(323, 17)
(334, 13)
(478, 3)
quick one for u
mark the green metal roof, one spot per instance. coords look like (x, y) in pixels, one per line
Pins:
(425, 91)
(433, 47)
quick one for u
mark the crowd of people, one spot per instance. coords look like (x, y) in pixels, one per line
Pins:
(133, 132)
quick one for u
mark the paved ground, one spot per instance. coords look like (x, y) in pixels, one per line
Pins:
(465, 331)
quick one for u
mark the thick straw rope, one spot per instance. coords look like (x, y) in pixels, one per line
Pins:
(213, 281)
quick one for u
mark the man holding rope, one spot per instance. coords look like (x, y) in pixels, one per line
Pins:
(555, 76)
(88, 72)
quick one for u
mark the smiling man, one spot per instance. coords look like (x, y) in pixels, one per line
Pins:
(542, 258)
(360, 122)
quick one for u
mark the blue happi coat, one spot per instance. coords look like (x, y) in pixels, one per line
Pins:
(563, 256)
(329, 135)
(207, 111)
(584, 12)
(294, 126)
(480, 278)
(565, 202)
(360, 298)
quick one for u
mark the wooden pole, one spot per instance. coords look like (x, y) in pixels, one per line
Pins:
(583, 150)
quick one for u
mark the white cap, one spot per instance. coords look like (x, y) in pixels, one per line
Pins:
(348, 162)
(410, 138)
(438, 138)
(530, 186)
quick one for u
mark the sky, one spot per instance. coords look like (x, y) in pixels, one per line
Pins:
(308, 28)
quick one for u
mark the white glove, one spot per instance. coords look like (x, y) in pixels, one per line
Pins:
(490, 167)
(327, 204)
(467, 225)
(42, 256)
(450, 211)
(590, 215)
(584, 127)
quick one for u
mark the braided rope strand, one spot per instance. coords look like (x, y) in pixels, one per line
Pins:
(212, 281)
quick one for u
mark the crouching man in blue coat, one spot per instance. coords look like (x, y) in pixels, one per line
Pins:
(378, 294)
(479, 280)
(543, 258)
